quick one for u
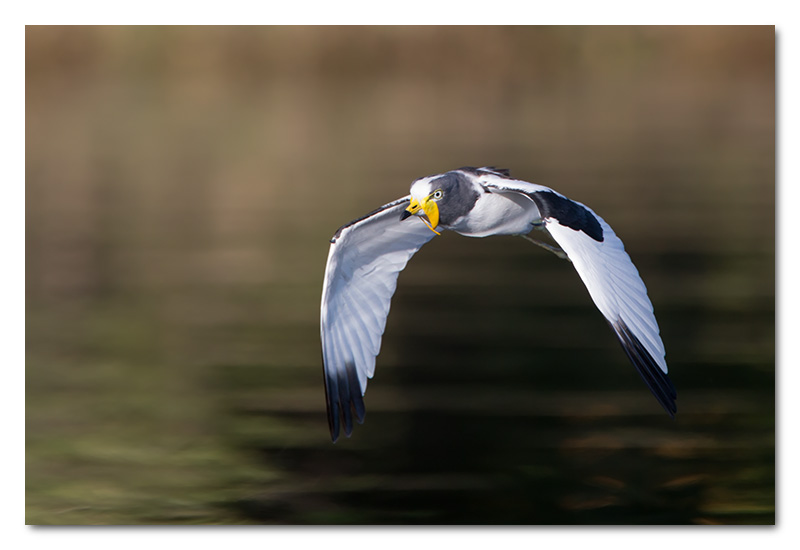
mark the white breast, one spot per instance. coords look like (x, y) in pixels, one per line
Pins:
(498, 214)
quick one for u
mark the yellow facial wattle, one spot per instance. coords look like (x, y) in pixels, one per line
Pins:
(430, 211)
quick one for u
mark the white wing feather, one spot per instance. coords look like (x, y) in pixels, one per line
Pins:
(364, 261)
(613, 282)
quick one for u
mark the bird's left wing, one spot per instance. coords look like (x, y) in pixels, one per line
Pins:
(608, 273)
(364, 261)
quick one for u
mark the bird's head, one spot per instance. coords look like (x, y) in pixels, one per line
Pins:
(424, 199)
(441, 199)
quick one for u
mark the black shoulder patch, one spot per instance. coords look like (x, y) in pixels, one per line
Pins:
(505, 172)
(502, 172)
(366, 216)
(567, 212)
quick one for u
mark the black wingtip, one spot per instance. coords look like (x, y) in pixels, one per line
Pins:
(332, 407)
(657, 380)
(344, 400)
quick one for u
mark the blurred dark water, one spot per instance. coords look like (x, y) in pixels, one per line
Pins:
(182, 185)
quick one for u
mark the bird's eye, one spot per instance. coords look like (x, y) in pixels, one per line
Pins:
(437, 194)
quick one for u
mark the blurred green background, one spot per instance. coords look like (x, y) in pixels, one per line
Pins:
(181, 187)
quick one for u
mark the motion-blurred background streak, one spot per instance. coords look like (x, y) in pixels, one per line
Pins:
(181, 187)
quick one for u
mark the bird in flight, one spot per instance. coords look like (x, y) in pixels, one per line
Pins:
(367, 255)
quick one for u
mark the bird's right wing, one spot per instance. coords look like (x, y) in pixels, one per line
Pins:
(364, 261)
(612, 280)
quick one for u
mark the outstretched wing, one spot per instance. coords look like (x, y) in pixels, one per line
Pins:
(364, 261)
(608, 273)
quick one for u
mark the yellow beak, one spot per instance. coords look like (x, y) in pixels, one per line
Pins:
(429, 215)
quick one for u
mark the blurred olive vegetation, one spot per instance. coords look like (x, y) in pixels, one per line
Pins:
(181, 187)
